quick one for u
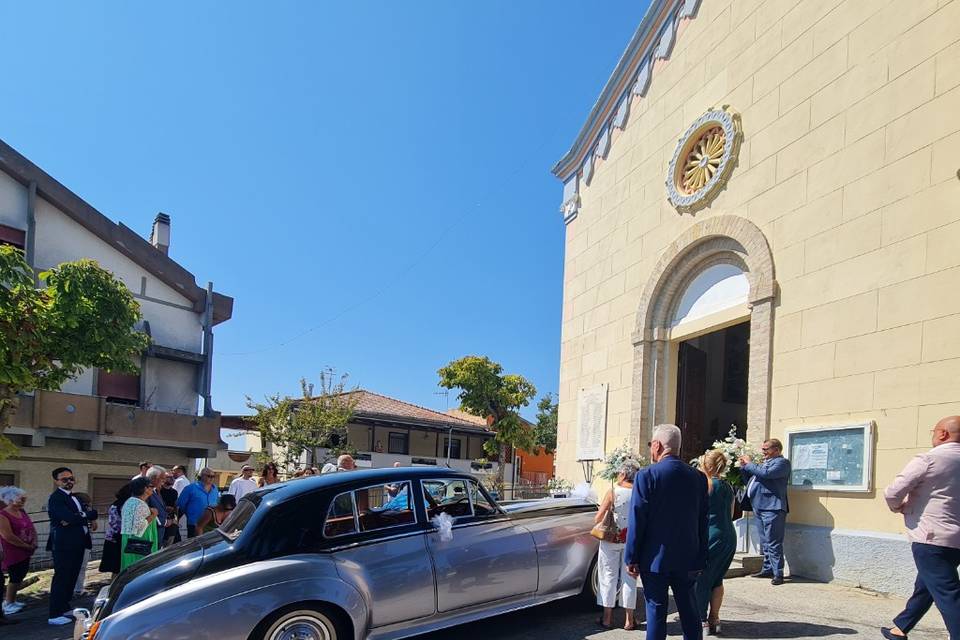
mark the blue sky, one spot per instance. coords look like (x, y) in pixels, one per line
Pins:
(369, 180)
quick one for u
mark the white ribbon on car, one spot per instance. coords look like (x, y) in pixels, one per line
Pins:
(444, 524)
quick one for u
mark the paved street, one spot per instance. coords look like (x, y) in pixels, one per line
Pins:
(796, 611)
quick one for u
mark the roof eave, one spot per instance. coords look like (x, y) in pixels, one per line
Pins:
(120, 237)
(417, 422)
(615, 87)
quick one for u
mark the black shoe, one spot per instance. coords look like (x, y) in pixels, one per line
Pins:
(777, 581)
(762, 574)
(888, 633)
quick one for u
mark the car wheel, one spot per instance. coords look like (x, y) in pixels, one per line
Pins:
(304, 624)
(592, 584)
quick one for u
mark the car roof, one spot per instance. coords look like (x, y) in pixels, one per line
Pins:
(298, 486)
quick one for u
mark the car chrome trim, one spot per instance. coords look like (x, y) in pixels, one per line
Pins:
(369, 541)
(462, 616)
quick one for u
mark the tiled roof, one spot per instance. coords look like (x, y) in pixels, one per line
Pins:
(469, 417)
(375, 405)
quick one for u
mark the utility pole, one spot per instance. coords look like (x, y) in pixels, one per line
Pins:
(446, 395)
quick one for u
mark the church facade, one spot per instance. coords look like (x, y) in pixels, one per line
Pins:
(762, 227)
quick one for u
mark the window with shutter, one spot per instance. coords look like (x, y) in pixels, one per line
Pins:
(14, 237)
(123, 388)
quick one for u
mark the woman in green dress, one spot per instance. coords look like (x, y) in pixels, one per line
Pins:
(722, 541)
(138, 525)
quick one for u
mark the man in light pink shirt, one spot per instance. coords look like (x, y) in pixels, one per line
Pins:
(927, 493)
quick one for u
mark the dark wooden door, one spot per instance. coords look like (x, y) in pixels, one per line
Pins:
(692, 400)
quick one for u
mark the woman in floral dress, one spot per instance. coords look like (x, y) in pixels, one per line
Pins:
(138, 524)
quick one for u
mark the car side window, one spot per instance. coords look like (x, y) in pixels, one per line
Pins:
(446, 496)
(371, 508)
(481, 504)
(384, 506)
(340, 520)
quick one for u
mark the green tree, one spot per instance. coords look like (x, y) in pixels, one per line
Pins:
(545, 431)
(487, 392)
(81, 317)
(309, 422)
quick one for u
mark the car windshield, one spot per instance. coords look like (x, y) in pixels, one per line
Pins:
(233, 526)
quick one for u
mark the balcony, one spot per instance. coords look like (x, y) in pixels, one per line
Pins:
(92, 421)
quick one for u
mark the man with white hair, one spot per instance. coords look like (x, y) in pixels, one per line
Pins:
(346, 463)
(156, 475)
(667, 534)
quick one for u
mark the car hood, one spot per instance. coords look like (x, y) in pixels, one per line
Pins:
(166, 569)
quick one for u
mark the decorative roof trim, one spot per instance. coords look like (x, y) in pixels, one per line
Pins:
(654, 39)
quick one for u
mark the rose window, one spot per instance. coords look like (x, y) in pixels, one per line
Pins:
(703, 160)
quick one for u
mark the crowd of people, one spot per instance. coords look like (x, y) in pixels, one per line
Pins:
(673, 522)
(155, 509)
(674, 532)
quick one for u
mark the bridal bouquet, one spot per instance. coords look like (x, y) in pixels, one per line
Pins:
(611, 464)
(732, 447)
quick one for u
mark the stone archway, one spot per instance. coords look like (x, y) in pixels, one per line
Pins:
(718, 240)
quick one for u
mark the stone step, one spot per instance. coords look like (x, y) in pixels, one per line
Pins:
(743, 565)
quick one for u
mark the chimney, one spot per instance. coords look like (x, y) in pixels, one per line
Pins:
(160, 234)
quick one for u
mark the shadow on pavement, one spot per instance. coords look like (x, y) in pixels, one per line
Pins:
(777, 629)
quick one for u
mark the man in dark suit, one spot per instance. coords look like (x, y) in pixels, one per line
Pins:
(69, 537)
(767, 490)
(667, 534)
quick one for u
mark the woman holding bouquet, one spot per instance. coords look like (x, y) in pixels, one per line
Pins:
(611, 570)
(722, 541)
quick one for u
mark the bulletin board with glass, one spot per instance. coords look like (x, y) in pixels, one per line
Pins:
(831, 458)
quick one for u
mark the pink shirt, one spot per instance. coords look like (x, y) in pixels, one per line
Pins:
(927, 492)
(23, 528)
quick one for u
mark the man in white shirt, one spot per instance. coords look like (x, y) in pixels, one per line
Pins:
(244, 484)
(180, 481)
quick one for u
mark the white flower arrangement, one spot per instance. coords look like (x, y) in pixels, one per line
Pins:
(733, 447)
(558, 485)
(615, 459)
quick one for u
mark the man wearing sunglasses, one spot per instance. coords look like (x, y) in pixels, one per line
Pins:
(767, 490)
(69, 538)
(196, 498)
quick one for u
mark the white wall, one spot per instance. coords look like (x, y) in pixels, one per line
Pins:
(172, 326)
(82, 384)
(169, 386)
(13, 202)
(60, 239)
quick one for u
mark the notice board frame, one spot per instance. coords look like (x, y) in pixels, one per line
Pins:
(867, 428)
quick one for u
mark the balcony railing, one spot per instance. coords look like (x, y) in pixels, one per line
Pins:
(93, 415)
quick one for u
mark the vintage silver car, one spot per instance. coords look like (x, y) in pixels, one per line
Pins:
(365, 554)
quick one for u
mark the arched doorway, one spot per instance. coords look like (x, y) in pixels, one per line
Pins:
(712, 292)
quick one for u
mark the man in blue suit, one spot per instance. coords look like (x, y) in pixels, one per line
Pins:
(69, 536)
(767, 490)
(667, 534)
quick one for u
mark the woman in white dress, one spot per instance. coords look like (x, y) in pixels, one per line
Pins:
(611, 570)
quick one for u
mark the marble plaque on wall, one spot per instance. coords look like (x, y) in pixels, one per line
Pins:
(591, 422)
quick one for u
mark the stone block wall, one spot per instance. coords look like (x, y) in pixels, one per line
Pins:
(849, 167)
